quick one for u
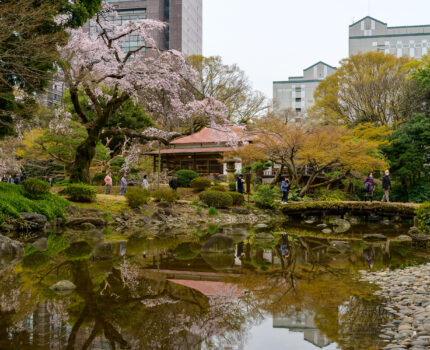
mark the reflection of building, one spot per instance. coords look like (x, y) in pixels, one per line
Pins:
(369, 34)
(302, 321)
(296, 95)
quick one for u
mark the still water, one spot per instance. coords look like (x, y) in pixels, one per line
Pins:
(230, 287)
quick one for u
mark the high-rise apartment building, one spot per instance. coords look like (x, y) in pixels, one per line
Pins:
(184, 19)
(296, 94)
(370, 34)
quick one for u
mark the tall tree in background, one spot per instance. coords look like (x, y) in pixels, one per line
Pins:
(94, 62)
(367, 88)
(229, 85)
(30, 32)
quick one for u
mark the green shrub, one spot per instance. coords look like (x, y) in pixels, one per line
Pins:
(36, 187)
(200, 183)
(218, 188)
(213, 211)
(170, 196)
(81, 193)
(63, 182)
(265, 197)
(13, 201)
(137, 196)
(98, 179)
(216, 199)
(232, 186)
(419, 192)
(238, 198)
(185, 177)
(423, 215)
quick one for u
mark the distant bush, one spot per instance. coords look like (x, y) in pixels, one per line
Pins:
(185, 177)
(13, 201)
(137, 196)
(80, 193)
(170, 196)
(200, 183)
(218, 188)
(265, 197)
(36, 187)
(63, 182)
(423, 215)
(238, 198)
(419, 192)
(216, 199)
(232, 186)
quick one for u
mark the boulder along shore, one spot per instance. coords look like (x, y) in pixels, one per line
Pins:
(407, 293)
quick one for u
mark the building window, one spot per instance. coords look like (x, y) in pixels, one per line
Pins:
(399, 52)
(298, 99)
(298, 110)
(412, 52)
(298, 89)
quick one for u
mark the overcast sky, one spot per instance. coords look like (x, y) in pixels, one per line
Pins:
(274, 39)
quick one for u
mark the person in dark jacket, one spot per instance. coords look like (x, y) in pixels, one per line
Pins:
(173, 183)
(386, 186)
(369, 187)
(239, 184)
(285, 188)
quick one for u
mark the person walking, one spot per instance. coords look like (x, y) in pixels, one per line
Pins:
(386, 186)
(369, 187)
(285, 188)
(239, 184)
(145, 183)
(173, 183)
(108, 182)
(123, 185)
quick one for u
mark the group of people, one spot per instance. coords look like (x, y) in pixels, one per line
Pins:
(16, 179)
(369, 187)
(123, 183)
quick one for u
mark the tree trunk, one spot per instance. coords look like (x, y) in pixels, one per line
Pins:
(277, 177)
(83, 158)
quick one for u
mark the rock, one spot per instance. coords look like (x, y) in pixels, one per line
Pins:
(63, 286)
(92, 237)
(10, 247)
(340, 245)
(327, 231)
(261, 226)
(240, 211)
(103, 251)
(404, 238)
(159, 216)
(311, 220)
(164, 204)
(41, 244)
(413, 230)
(219, 243)
(96, 221)
(322, 225)
(170, 212)
(87, 226)
(34, 221)
(374, 237)
(341, 225)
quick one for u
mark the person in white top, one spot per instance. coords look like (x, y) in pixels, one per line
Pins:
(145, 183)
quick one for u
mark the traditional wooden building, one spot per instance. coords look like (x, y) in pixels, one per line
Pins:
(203, 152)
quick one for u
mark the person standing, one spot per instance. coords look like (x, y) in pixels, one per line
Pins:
(123, 185)
(173, 183)
(145, 183)
(285, 188)
(239, 184)
(108, 182)
(369, 187)
(10, 180)
(386, 186)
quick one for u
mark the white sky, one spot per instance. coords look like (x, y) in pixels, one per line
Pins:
(274, 39)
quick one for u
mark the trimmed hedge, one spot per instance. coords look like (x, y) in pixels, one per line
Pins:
(137, 196)
(238, 198)
(265, 197)
(200, 183)
(185, 177)
(232, 186)
(216, 199)
(218, 188)
(80, 193)
(170, 196)
(35, 187)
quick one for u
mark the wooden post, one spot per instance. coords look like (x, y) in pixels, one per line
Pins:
(159, 165)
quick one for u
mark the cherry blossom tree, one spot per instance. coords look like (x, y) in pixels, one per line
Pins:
(161, 81)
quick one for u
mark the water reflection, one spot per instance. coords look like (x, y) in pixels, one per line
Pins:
(204, 290)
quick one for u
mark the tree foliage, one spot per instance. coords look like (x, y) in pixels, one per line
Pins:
(228, 84)
(367, 88)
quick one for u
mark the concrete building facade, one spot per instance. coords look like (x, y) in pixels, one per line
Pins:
(370, 34)
(296, 95)
(184, 19)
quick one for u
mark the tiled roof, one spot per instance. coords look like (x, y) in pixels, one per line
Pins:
(192, 150)
(213, 135)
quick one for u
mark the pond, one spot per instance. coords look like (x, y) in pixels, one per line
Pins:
(227, 287)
